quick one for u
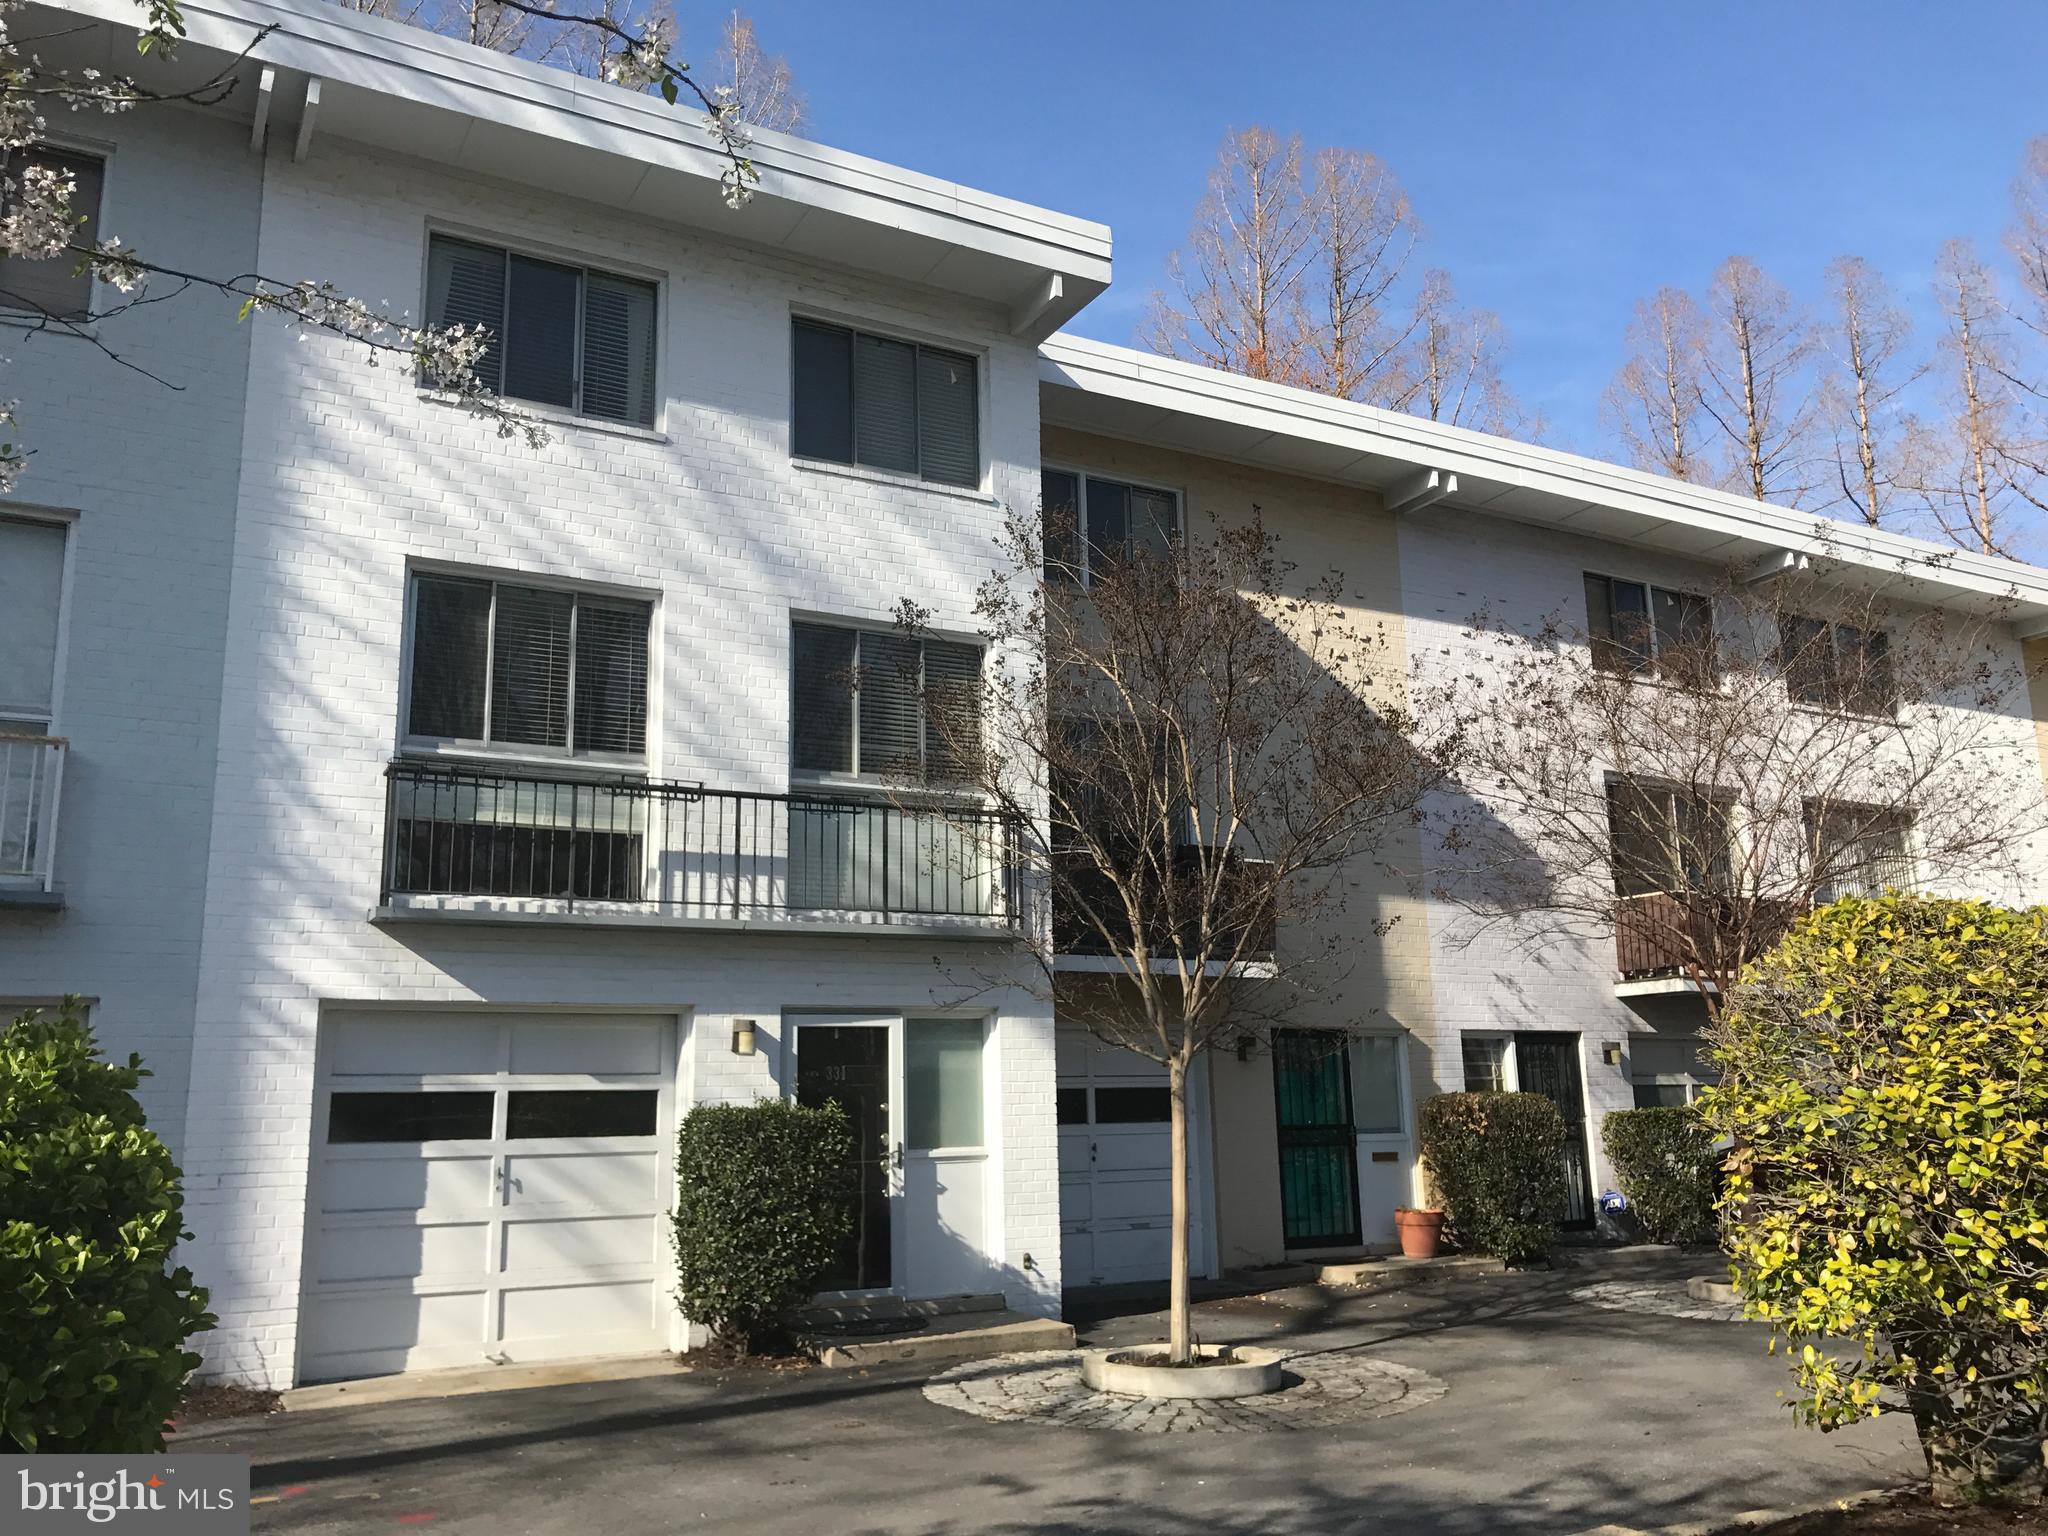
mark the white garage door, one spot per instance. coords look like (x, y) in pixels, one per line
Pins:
(1116, 1167)
(487, 1188)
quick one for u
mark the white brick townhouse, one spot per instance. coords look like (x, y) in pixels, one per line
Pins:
(441, 817)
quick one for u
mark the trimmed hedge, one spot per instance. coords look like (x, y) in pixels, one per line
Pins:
(1496, 1162)
(1665, 1163)
(90, 1207)
(764, 1200)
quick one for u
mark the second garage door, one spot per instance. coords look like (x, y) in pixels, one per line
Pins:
(487, 1188)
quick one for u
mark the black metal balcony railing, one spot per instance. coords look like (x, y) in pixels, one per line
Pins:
(687, 851)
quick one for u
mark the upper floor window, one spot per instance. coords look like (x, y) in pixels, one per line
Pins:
(887, 404)
(1635, 627)
(872, 702)
(1092, 523)
(560, 335)
(535, 668)
(1857, 850)
(56, 287)
(31, 592)
(1665, 839)
(1837, 666)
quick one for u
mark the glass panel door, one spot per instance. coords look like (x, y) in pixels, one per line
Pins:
(851, 1065)
(1318, 1147)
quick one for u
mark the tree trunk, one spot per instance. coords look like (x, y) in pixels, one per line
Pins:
(1180, 1325)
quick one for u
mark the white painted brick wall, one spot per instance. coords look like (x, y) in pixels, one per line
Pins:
(1507, 977)
(149, 470)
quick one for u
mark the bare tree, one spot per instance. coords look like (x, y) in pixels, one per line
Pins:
(761, 84)
(1692, 772)
(1654, 402)
(1239, 281)
(1980, 472)
(1453, 367)
(1754, 382)
(1867, 341)
(2027, 238)
(1202, 744)
(1363, 233)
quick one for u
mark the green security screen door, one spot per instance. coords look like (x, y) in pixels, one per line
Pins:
(1318, 1147)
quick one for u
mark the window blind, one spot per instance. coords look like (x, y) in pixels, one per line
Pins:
(885, 403)
(55, 287)
(530, 667)
(618, 349)
(466, 286)
(952, 701)
(821, 702)
(889, 720)
(540, 331)
(822, 407)
(31, 587)
(611, 676)
(873, 702)
(949, 447)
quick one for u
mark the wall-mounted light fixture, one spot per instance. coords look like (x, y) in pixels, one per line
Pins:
(743, 1037)
(1611, 1053)
(1245, 1043)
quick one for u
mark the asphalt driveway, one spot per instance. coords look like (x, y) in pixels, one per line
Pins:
(1558, 1418)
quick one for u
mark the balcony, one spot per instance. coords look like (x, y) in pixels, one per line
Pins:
(1079, 946)
(511, 846)
(31, 781)
(1653, 934)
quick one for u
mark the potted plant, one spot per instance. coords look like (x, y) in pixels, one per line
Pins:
(1421, 1229)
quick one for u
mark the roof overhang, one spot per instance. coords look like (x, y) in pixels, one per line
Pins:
(336, 72)
(1417, 465)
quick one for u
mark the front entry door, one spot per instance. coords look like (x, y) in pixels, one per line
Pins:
(1548, 1063)
(1318, 1145)
(913, 1091)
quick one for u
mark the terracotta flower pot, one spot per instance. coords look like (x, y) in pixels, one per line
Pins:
(1420, 1232)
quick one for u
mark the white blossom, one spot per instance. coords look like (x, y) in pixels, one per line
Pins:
(120, 268)
(38, 223)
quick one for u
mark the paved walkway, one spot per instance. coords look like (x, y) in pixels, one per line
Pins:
(1557, 1416)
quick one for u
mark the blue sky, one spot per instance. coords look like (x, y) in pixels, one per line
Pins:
(1566, 158)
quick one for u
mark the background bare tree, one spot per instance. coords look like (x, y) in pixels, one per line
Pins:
(763, 87)
(1692, 777)
(1653, 405)
(1755, 386)
(1363, 233)
(1455, 364)
(1867, 342)
(1204, 744)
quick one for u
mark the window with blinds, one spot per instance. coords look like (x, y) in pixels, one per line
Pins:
(1092, 524)
(56, 287)
(1857, 850)
(1637, 628)
(561, 335)
(31, 594)
(1837, 666)
(887, 404)
(869, 702)
(528, 667)
(1664, 839)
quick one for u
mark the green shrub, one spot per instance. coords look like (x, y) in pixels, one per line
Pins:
(1665, 1163)
(1885, 1077)
(764, 1202)
(1496, 1162)
(90, 1207)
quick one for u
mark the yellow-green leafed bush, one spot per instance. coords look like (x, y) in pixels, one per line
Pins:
(1885, 1077)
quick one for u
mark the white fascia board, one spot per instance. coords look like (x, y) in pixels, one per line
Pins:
(367, 53)
(1488, 466)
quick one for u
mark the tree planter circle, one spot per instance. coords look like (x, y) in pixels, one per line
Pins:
(1227, 1370)
(1711, 1288)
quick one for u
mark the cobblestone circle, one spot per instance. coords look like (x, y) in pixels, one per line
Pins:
(1664, 1298)
(1323, 1390)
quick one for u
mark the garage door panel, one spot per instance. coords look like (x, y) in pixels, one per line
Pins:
(405, 1183)
(387, 1320)
(411, 1044)
(588, 1242)
(611, 1048)
(1077, 1200)
(1140, 1199)
(1133, 1253)
(401, 1251)
(1149, 1153)
(558, 1311)
(583, 1179)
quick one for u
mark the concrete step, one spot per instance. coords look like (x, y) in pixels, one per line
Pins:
(957, 1336)
(1393, 1272)
(822, 1314)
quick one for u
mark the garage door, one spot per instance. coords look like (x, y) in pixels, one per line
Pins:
(487, 1189)
(1116, 1166)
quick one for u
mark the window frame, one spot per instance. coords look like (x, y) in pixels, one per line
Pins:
(83, 149)
(560, 257)
(67, 524)
(1610, 646)
(1670, 796)
(411, 744)
(819, 778)
(976, 357)
(1833, 697)
(1081, 573)
(1814, 814)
